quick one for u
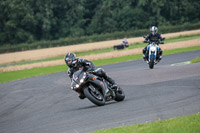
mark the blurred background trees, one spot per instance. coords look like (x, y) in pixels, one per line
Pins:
(27, 21)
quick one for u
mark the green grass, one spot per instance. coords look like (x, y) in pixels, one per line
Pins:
(140, 45)
(116, 59)
(186, 124)
(132, 46)
(182, 38)
(196, 60)
(181, 50)
(170, 40)
(139, 56)
(15, 75)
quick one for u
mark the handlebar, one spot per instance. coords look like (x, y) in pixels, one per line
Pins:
(158, 42)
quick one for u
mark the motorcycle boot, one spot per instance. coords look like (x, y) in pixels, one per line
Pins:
(100, 72)
(160, 58)
(144, 54)
(159, 54)
(112, 82)
(144, 57)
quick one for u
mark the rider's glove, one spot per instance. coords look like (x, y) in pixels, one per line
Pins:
(88, 69)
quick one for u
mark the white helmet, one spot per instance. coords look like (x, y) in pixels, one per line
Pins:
(154, 30)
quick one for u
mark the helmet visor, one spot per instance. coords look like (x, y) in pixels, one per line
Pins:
(74, 63)
(153, 32)
(69, 61)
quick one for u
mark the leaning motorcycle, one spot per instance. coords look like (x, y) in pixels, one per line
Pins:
(95, 88)
(153, 48)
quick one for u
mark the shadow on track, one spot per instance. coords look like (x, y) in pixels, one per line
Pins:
(95, 106)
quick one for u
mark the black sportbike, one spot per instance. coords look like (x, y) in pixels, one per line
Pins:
(95, 88)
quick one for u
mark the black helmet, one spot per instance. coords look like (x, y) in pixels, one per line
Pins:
(70, 59)
(154, 30)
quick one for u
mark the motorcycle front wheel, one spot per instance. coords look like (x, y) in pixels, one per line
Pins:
(94, 96)
(151, 63)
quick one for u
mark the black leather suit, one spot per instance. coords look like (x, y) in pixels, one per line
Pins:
(152, 38)
(89, 66)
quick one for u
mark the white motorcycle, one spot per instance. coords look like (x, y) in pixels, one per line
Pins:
(152, 58)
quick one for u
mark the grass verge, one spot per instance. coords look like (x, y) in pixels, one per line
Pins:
(15, 75)
(186, 124)
(170, 40)
(196, 60)
(132, 46)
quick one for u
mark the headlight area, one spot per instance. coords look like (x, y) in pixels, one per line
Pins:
(84, 76)
(77, 86)
(153, 49)
(81, 81)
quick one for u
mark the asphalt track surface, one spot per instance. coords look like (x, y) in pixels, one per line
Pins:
(46, 104)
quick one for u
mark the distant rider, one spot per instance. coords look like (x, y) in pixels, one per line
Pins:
(124, 42)
(153, 37)
(76, 64)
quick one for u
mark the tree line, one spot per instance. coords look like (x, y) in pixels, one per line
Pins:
(27, 21)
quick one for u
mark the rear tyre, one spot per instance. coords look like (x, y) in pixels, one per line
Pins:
(119, 95)
(151, 63)
(95, 97)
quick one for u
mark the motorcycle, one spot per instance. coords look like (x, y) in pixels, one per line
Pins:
(122, 45)
(95, 88)
(153, 48)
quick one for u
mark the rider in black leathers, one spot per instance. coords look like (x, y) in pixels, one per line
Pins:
(153, 37)
(76, 64)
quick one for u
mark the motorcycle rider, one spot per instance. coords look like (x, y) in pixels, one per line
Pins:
(154, 36)
(76, 64)
(124, 43)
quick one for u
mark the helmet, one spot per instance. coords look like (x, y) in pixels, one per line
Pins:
(154, 30)
(71, 60)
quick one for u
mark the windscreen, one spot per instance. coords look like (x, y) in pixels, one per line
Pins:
(76, 75)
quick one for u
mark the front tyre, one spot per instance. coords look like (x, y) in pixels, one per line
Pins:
(95, 97)
(151, 63)
(119, 95)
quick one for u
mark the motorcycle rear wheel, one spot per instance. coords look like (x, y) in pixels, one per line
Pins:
(120, 95)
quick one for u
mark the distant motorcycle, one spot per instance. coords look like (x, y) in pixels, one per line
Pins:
(96, 89)
(153, 48)
(122, 45)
